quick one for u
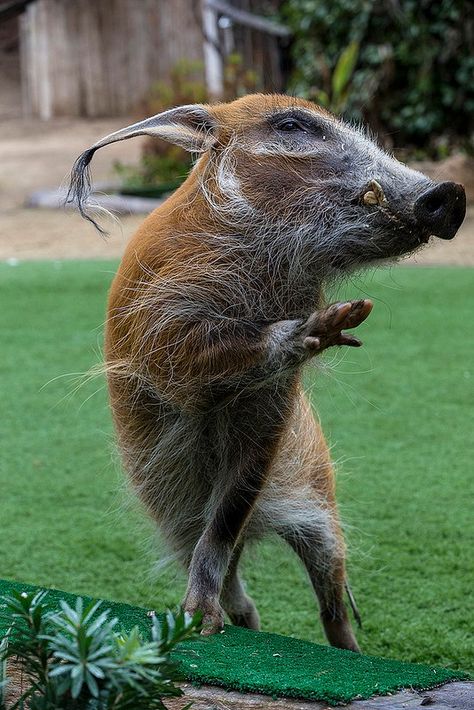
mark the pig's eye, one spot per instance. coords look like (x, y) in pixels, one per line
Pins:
(289, 124)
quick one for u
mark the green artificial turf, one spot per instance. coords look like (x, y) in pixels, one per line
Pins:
(240, 659)
(399, 415)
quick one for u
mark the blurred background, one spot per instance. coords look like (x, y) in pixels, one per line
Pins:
(74, 70)
(398, 412)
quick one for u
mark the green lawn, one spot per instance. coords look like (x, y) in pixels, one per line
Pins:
(398, 413)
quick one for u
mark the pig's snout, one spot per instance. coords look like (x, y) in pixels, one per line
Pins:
(441, 209)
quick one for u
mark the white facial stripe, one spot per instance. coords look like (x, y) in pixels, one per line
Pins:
(228, 182)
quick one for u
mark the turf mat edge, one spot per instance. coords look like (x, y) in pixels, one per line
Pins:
(271, 664)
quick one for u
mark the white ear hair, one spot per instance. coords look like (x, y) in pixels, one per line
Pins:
(191, 127)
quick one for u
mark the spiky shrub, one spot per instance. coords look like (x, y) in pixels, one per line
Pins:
(76, 659)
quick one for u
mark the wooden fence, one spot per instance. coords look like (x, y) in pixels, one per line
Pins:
(99, 57)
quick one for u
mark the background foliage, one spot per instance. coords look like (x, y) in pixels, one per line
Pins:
(414, 77)
(162, 163)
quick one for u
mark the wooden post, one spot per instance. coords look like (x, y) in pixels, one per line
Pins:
(212, 57)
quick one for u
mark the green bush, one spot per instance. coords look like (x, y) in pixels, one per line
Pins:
(414, 77)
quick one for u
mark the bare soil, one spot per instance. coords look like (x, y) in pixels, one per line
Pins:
(36, 155)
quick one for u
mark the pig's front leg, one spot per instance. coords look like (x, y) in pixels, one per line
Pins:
(297, 341)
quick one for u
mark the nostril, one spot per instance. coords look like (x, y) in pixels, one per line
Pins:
(434, 203)
(441, 209)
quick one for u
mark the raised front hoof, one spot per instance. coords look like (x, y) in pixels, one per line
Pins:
(324, 328)
(212, 614)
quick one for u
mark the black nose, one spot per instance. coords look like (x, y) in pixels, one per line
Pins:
(441, 209)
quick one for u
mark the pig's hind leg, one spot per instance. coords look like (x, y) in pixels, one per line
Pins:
(324, 561)
(299, 504)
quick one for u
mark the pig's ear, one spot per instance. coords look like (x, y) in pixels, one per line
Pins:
(191, 127)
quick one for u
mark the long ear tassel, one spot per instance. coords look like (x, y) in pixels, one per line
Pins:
(80, 187)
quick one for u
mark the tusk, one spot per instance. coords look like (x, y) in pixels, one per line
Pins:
(379, 193)
(370, 198)
(376, 195)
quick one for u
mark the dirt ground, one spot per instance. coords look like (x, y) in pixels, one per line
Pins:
(37, 155)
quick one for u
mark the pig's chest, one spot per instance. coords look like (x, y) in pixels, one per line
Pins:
(280, 288)
(284, 300)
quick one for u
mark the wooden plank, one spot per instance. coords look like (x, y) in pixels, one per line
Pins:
(28, 66)
(115, 203)
(180, 34)
(95, 87)
(63, 59)
(212, 55)
(25, 79)
(451, 696)
(249, 19)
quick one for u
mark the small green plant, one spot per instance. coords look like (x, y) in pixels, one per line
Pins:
(165, 166)
(238, 79)
(154, 170)
(183, 87)
(336, 100)
(76, 659)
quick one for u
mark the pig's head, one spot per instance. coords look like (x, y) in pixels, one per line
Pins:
(287, 169)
